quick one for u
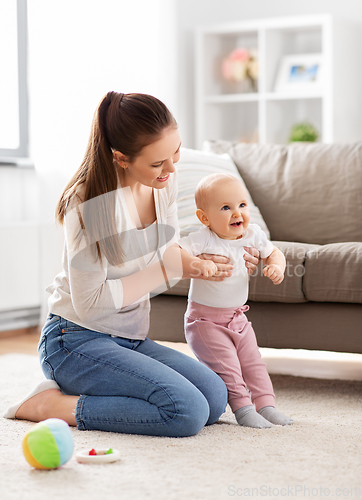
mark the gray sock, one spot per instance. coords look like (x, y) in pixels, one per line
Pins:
(274, 416)
(248, 417)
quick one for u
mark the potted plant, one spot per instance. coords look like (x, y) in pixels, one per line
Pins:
(303, 132)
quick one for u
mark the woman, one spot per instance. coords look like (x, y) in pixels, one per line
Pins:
(103, 372)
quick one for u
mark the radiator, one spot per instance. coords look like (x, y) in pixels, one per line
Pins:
(19, 275)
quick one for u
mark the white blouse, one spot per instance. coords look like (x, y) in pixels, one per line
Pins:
(89, 292)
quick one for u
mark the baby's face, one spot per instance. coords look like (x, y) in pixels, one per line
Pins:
(227, 209)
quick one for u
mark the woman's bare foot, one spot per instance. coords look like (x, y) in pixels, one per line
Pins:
(48, 404)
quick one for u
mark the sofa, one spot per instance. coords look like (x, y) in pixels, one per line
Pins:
(308, 198)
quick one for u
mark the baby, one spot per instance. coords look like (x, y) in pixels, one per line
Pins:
(216, 328)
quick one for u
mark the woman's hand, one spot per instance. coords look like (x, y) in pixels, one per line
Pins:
(252, 259)
(224, 269)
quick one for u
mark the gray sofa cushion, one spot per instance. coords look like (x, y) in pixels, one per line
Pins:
(333, 273)
(262, 289)
(310, 193)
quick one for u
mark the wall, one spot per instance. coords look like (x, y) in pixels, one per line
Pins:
(78, 51)
(19, 248)
(192, 13)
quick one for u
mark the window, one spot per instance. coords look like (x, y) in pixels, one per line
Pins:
(13, 81)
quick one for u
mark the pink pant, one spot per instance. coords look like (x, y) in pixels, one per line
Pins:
(224, 340)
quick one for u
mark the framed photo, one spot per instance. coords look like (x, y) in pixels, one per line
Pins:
(299, 72)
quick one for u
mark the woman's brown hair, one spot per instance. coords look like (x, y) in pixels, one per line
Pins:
(125, 123)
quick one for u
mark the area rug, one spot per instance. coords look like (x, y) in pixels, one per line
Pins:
(317, 457)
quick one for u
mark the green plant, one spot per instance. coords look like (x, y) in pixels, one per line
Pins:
(304, 132)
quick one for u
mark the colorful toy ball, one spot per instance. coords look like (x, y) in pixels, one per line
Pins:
(48, 444)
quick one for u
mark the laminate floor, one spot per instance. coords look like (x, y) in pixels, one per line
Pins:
(23, 341)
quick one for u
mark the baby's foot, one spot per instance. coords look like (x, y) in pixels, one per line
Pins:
(248, 417)
(274, 416)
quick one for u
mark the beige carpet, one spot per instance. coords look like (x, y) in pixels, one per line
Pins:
(317, 457)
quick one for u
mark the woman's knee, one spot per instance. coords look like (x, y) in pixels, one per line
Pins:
(198, 409)
(217, 399)
(191, 414)
(213, 388)
(203, 409)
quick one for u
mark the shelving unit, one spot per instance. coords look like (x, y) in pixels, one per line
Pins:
(233, 111)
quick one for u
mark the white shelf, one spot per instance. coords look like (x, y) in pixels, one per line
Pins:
(260, 96)
(227, 111)
(282, 96)
(231, 98)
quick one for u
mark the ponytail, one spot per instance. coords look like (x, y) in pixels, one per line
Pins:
(125, 123)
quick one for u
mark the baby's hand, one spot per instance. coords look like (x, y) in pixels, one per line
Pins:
(205, 268)
(274, 272)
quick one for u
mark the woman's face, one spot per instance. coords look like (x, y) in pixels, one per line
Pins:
(155, 163)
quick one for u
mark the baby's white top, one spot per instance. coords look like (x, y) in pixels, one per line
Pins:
(233, 291)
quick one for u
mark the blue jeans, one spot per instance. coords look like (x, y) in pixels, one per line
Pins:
(130, 386)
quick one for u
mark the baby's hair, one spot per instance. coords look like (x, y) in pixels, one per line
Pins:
(206, 185)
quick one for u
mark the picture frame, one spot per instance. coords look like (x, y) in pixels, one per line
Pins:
(299, 72)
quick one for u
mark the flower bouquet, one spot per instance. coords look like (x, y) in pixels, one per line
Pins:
(241, 65)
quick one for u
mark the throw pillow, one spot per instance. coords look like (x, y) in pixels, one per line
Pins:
(192, 167)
